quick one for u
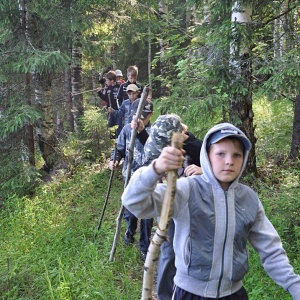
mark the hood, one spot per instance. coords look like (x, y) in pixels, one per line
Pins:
(208, 175)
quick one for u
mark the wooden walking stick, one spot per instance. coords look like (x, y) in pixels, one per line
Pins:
(128, 172)
(107, 193)
(84, 92)
(109, 104)
(162, 229)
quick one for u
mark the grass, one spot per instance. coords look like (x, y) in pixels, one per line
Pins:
(48, 249)
(47, 245)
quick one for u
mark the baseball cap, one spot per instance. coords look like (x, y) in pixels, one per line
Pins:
(161, 135)
(118, 73)
(224, 133)
(132, 87)
(148, 108)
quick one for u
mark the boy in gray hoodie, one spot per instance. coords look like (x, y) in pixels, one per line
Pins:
(214, 217)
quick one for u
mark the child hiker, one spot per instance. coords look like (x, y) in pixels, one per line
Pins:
(124, 111)
(109, 96)
(215, 216)
(123, 143)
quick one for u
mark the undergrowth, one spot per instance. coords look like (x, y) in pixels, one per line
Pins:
(48, 248)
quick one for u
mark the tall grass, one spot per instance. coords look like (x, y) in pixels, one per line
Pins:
(48, 249)
(47, 246)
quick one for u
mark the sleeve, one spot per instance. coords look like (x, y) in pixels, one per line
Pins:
(103, 95)
(120, 95)
(143, 195)
(142, 136)
(265, 240)
(120, 113)
(121, 147)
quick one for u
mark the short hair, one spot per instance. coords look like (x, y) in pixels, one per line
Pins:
(132, 70)
(111, 75)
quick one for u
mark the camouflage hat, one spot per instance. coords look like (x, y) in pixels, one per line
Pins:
(160, 135)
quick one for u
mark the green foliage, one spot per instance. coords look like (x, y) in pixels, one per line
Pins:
(283, 75)
(94, 143)
(47, 246)
(17, 178)
(48, 249)
(42, 61)
(16, 117)
(273, 131)
(195, 113)
(282, 205)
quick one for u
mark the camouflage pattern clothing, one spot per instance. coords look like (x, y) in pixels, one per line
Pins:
(161, 135)
(123, 142)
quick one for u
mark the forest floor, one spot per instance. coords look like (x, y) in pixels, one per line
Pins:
(154, 293)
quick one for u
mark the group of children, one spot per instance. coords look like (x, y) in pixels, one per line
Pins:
(118, 95)
(215, 216)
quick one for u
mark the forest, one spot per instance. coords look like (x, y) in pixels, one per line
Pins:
(207, 61)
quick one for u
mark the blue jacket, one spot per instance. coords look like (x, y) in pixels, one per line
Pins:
(212, 228)
(124, 111)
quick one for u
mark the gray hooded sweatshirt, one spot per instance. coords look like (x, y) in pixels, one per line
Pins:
(212, 227)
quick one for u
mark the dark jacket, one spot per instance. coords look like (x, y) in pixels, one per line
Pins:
(109, 96)
(122, 94)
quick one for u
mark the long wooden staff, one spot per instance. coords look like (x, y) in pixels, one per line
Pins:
(128, 172)
(107, 193)
(162, 230)
(75, 94)
(109, 105)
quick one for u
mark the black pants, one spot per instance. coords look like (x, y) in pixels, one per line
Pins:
(145, 228)
(180, 294)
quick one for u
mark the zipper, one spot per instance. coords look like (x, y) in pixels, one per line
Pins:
(224, 244)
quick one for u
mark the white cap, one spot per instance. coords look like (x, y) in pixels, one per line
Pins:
(119, 73)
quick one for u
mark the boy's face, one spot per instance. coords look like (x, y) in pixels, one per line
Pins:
(131, 78)
(132, 95)
(226, 159)
(108, 82)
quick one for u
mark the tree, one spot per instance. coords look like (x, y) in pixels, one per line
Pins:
(240, 102)
(295, 148)
(279, 73)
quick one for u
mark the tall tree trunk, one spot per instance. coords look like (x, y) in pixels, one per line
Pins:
(149, 60)
(29, 128)
(69, 103)
(42, 80)
(163, 11)
(113, 54)
(29, 138)
(241, 112)
(95, 83)
(46, 131)
(77, 80)
(295, 149)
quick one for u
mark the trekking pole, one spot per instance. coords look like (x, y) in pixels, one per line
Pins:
(109, 105)
(162, 229)
(107, 194)
(128, 172)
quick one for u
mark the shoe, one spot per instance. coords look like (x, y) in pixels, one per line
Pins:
(143, 255)
(128, 239)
